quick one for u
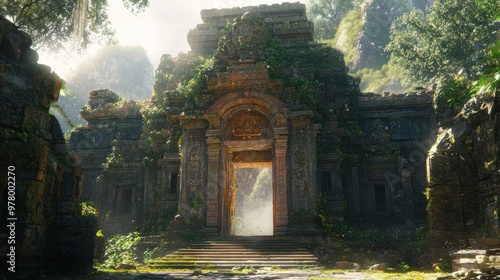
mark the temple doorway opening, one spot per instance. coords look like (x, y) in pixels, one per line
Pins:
(253, 214)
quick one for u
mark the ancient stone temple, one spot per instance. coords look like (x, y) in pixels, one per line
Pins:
(256, 92)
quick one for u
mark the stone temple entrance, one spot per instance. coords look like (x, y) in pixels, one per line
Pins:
(253, 209)
(248, 196)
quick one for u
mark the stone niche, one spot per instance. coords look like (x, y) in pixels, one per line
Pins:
(51, 237)
(272, 98)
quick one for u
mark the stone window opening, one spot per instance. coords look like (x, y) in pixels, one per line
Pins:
(174, 179)
(123, 202)
(326, 181)
(380, 197)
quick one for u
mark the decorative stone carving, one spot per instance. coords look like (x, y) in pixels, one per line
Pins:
(247, 125)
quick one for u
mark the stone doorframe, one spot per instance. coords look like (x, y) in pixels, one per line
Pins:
(220, 150)
(232, 151)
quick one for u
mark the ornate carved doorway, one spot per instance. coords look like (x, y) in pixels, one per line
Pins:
(245, 131)
(248, 146)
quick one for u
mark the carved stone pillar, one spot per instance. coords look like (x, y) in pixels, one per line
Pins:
(213, 182)
(302, 144)
(280, 193)
(192, 199)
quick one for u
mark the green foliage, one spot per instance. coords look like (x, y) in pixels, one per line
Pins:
(88, 209)
(327, 14)
(160, 222)
(53, 23)
(376, 80)
(186, 73)
(113, 159)
(307, 81)
(489, 81)
(452, 92)
(452, 37)
(347, 36)
(120, 249)
(307, 91)
(7, 135)
(57, 110)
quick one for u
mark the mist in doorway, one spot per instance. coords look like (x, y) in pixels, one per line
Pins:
(254, 202)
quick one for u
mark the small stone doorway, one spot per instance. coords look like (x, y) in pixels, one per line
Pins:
(252, 213)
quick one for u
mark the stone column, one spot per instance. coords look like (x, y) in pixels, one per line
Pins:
(355, 182)
(192, 199)
(213, 147)
(280, 193)
(302, 143)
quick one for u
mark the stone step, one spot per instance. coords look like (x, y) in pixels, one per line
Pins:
(467, 253)
(247, 257)
(241, 251)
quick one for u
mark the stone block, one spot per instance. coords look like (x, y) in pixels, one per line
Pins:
(15, 43)
(450, 221)
(445, 198)
(36, 121)
(10, 115)
(443, 170)
(65, 207)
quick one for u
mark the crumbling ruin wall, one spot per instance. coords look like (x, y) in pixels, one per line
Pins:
(112, 153)
(39, 197)
(463, 177)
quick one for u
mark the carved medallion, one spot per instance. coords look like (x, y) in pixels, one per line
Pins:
(247, 125)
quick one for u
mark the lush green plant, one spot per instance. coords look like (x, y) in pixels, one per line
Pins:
(88, 209)
(489, 81)
(112, 159)
(160, 222)
(452, 91)
(120, 249)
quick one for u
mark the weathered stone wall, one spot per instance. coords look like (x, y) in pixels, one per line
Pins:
(287, 22)
(50, 235)
(112, 154)
(398, 130)
(463, 177)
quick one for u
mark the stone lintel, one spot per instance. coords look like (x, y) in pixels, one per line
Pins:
(193, 122)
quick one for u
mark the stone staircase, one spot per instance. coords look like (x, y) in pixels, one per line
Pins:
(239, 252)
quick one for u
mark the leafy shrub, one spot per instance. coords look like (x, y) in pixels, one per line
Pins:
(88, 209)
(120, 249)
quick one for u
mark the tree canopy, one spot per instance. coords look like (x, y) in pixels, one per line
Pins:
(327, 14)
(453, 37)
(54, 23)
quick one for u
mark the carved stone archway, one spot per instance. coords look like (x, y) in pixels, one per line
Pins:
(249, 130)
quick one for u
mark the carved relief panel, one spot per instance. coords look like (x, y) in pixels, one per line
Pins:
(248, 126)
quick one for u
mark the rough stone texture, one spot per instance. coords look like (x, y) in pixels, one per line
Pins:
(111, 153)
(463, 180)
(47, 179)
(363, 157)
